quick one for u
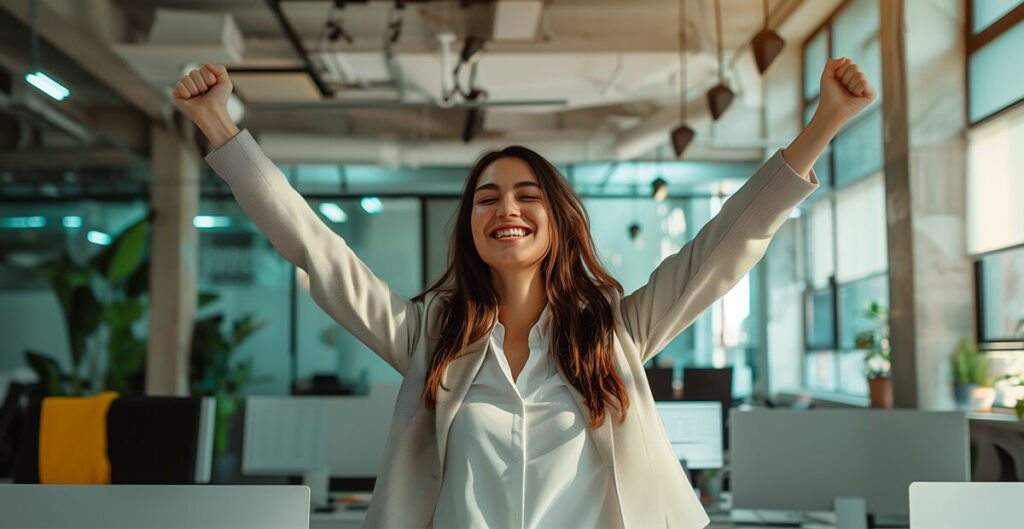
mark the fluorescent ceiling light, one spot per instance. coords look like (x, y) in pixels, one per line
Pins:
(211, 221)
(371, 205)
(23, 222)
(98, 237)
(333, 212)
(48, 86)
(72, 221)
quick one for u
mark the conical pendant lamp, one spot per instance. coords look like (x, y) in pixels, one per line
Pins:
(767, 44)
(682, 135)
(720, 96)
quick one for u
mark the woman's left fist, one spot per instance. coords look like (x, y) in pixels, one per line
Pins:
(845, 91)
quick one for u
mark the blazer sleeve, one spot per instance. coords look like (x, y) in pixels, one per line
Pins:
(707, 267)
(339, 281)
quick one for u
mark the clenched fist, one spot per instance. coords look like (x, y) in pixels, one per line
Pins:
(845, 90)
(203, 96)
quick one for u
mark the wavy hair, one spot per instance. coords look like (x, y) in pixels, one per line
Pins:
(575, 287)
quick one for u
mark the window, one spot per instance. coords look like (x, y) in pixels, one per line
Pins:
(995, 189)
(323, 346)
(725, 334)
(1001, 296)
(238, 264)
(985, 12)
(994, 80)
(846, 254)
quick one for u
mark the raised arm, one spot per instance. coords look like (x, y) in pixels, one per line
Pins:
(730, 244)
(339, 281)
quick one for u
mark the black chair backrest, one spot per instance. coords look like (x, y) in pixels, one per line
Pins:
(153, 440)
(660, 380)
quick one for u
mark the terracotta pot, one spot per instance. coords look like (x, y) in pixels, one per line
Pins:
(881, 392)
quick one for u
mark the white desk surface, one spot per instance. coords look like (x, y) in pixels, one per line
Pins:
(342, 518)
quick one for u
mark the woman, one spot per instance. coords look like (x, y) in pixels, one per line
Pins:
(524, 401)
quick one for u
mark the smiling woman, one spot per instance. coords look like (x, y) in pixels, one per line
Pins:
(523, 387)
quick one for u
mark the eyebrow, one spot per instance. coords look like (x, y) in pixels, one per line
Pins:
(486, 187)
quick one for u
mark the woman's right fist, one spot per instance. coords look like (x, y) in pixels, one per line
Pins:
(203, 91)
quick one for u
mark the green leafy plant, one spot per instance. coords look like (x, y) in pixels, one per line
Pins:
(109, 288)
(878, 362)
(214, 370)
(970, 365)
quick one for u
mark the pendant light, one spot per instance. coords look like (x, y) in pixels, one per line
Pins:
(682, 135)
(659, 187)
(767, 44)
(719, 97)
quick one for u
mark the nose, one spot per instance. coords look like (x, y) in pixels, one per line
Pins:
(508, 207)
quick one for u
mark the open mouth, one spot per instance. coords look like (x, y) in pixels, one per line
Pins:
(510, 234)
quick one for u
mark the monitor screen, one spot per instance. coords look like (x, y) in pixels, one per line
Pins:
(819, 455)
(284, 435)
(695, 431)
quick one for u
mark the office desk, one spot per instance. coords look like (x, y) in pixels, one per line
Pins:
(719, 514)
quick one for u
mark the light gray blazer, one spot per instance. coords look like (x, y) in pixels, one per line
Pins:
(650, 486)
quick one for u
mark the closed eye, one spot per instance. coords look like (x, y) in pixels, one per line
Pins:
(486, 201)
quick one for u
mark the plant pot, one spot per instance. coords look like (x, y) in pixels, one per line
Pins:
(982, 399)
(881, 392)
(711, 486)
(962, 394)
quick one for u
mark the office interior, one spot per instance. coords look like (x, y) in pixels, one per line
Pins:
(878, 343)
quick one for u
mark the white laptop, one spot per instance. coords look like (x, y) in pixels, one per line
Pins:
(154, 506)
(937, 505)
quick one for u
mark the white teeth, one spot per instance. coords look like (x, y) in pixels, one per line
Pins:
(510, 232)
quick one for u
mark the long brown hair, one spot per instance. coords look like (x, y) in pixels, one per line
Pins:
(575, 284)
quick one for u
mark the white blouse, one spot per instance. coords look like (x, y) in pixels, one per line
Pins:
(519, 453)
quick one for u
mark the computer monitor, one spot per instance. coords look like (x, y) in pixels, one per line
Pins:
(284, 436)
(288, 436)
(695, 431)
(705, 384)
(154, 506)
(803, 460)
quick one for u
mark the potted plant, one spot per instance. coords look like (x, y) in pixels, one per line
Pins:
(972, 385)
(110, 288)
(214, 372)
(877, 362)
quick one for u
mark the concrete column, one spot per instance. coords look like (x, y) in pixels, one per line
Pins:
(943, 273)
(930, 282)
(173, 280)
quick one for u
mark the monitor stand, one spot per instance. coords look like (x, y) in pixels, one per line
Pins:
(851, 512)
(319, 483)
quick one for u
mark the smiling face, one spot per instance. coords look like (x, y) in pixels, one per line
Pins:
(509, 220)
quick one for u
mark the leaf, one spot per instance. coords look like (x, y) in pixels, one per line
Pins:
(205, 298)
(83, 318)
(123, 313)
(138, 283)
(47, 370)
(125, 253)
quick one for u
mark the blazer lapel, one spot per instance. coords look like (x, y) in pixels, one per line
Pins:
(458, 376)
